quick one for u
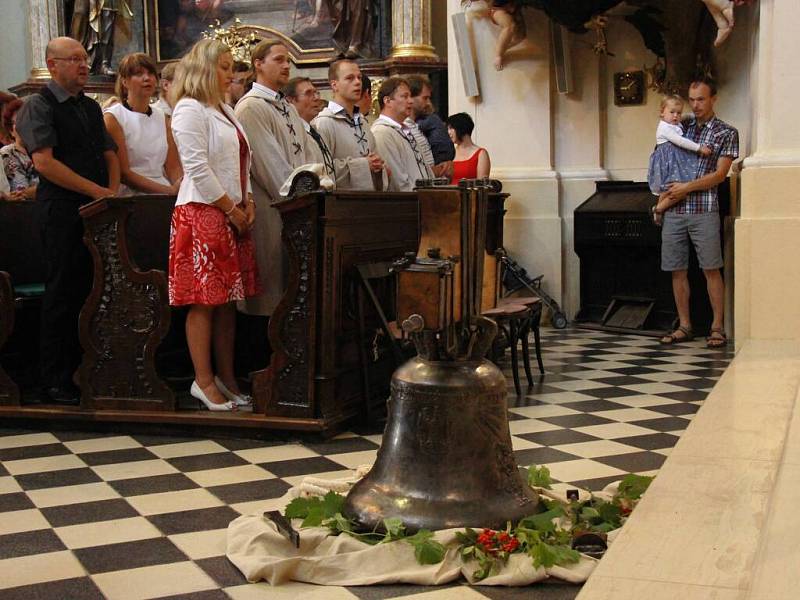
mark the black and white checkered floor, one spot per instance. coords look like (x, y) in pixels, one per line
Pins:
(88, 515)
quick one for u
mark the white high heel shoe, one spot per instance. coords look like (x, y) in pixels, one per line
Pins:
(238, 399)
(197, 392)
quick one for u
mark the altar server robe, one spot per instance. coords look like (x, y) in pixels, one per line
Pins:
(349, 140)
(279, 145)
(400, 151)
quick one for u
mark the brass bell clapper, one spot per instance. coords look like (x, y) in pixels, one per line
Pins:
(446, 458)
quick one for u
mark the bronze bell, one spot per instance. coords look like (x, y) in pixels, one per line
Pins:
(446, 459)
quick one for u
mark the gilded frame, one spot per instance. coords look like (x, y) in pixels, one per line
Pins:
(299, 54)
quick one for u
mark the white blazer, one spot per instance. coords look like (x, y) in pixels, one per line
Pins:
(208, 147)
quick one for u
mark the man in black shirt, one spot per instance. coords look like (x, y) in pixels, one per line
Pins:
(64, 132)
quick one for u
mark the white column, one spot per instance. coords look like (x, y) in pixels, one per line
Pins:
(513, 122)
(46, 18)
(767, 293)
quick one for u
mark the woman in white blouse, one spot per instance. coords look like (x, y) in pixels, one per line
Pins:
(211, 258)
(148, 158)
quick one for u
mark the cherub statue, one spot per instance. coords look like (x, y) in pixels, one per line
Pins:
(722, 12)
(93, 25)
(507, 14)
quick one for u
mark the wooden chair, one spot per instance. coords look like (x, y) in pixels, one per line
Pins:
(516, 318)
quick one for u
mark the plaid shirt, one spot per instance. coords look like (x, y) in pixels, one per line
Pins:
(723, 141)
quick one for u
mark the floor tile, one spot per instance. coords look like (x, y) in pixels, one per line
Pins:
(28, 452)
(652, 441)
(134, 470)
(26, 440)
(113, 457)
(22, 520)
(129, 555)
(138, 486)
(204, 462)
(88, 512)
(72, 494)
(612, 431)
(289, 591)
(576, 421)
(187, 521)
(302, 466)
(104, 533)
(229, 475)
(79, 588)
(664, 424)
(594, 406)
(574, 470)
(14, 502)
(633, 462)
(47, 463)
(353, 460)
(340, 446)
(538, 411)
(262, 489)
(187, 449)
(541, 456)
(269, 454)
(26, 543)
(154, 581)
(202, 544)
(102, 444)
(9, 485)
(38, 568)
(51, 479)
(558, 437)
(222, 571)
(596, 448)
(167, 502)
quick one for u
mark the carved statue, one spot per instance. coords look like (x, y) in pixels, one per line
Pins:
(94, 23)
(353, 32)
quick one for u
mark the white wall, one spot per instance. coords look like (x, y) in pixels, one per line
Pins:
(580, 137)
(15, 47)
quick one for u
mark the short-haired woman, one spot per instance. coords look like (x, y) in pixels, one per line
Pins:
(148, 159)
(18, 167)
(211, 259)
(471, 161)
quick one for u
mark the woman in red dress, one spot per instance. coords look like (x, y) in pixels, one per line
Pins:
(211, 259)
(471, 161)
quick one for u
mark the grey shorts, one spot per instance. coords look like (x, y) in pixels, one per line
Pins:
(703, 231)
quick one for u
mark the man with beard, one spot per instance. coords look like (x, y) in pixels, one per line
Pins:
(279, 145)
(431, 126)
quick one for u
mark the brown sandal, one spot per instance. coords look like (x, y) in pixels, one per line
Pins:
(672, 338)
(720, 340)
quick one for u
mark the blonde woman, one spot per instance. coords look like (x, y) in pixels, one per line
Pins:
(211, 260)
(148, 159)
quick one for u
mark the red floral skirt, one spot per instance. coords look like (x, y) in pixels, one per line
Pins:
(208, 262)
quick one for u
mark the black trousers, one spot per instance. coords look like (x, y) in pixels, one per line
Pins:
(68, 282)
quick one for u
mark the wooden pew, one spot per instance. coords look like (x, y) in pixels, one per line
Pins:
(313, 381)
(22, 261)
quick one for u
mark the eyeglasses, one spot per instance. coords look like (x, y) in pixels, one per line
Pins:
(311, 94)
(74, 60)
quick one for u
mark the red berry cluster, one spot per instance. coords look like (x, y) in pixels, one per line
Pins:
(493, 542)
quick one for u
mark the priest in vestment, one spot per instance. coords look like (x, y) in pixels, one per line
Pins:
(279, 144)
(396, 141)
(346, 133)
